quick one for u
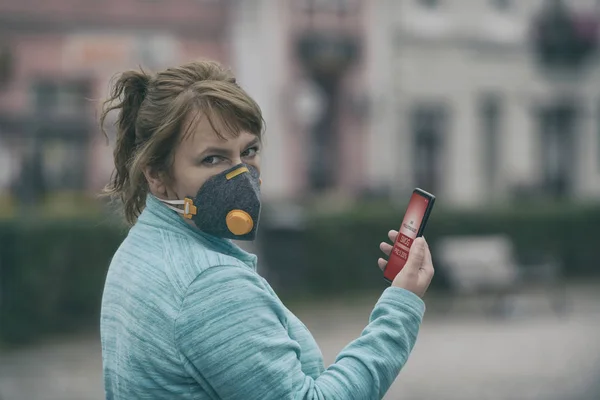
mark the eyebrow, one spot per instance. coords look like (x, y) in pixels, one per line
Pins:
(220, 151)
(253, 142)
(214, 150)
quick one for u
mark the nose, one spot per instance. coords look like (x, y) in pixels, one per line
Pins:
(236, 172)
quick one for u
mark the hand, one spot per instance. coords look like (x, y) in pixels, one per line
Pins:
(418, 270)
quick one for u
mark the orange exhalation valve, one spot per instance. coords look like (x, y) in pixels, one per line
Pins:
(239, 222)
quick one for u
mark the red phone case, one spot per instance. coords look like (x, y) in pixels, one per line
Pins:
(413, 225)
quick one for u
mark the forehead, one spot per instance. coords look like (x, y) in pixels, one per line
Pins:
(201, 130)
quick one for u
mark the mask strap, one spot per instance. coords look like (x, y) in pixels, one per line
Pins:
(189, 209)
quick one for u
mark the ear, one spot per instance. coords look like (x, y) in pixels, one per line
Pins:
(156, 182)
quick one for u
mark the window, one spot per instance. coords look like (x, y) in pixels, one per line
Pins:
(490, 114)
(6, 64)
(598, 133)
(502, 5)
(429, 124)
(8, 165)
(557, 127)
(429, 3)
(156, 51)
(63, 163)
(327, 5)
(60, 157)
(52, 97)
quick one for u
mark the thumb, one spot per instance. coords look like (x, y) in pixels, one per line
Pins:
(416, 256)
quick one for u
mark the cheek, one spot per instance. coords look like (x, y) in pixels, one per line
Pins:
(255, 162)
(188, 179)
(193, 180)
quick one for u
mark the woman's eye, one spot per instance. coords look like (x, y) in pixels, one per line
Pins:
(211, 160)
(251, 152)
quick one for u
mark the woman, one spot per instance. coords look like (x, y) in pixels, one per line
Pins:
(184, 313)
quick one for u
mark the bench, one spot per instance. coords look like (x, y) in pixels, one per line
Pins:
(487, 265)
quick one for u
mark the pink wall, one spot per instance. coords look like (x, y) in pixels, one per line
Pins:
(65, 39)
(351, 137)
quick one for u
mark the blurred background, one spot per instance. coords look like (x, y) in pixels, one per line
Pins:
(491, 105)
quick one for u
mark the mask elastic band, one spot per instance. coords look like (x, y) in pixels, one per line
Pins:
(189, 209)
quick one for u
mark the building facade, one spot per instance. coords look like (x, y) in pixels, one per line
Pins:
(468, 110)
(57, 59)
(360, 96)
(285, 53)
(305, 63)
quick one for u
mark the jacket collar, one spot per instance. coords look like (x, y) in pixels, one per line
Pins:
(158, 215)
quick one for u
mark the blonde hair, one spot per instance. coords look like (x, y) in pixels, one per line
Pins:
(152, 111)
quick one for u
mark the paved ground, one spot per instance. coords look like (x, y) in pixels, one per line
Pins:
(459, 355)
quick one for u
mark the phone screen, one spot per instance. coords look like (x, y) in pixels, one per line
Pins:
(411, 228)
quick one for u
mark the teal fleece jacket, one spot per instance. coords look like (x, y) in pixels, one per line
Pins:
(185, 315)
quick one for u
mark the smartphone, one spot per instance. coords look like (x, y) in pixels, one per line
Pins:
(415, 219)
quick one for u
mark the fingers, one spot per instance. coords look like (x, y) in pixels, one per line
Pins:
(427, 266)
(416, 256)
(428, 259)
(382, 263)
(386, 248)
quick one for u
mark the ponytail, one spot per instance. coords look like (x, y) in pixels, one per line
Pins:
(126, 96)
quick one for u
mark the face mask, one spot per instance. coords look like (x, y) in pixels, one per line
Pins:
(227, 205)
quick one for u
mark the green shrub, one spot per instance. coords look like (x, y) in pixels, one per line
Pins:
(338, 253)
(52, 274)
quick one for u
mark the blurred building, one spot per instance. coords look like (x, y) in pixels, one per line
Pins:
(486, 101)
(454, 96)
(305, 63)
(361, 97)
(56, 58)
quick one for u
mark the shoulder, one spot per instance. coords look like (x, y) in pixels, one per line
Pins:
(231, 294)
(187, 258)
(181, 258)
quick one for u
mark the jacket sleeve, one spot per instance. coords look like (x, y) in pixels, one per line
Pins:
(233, 339)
